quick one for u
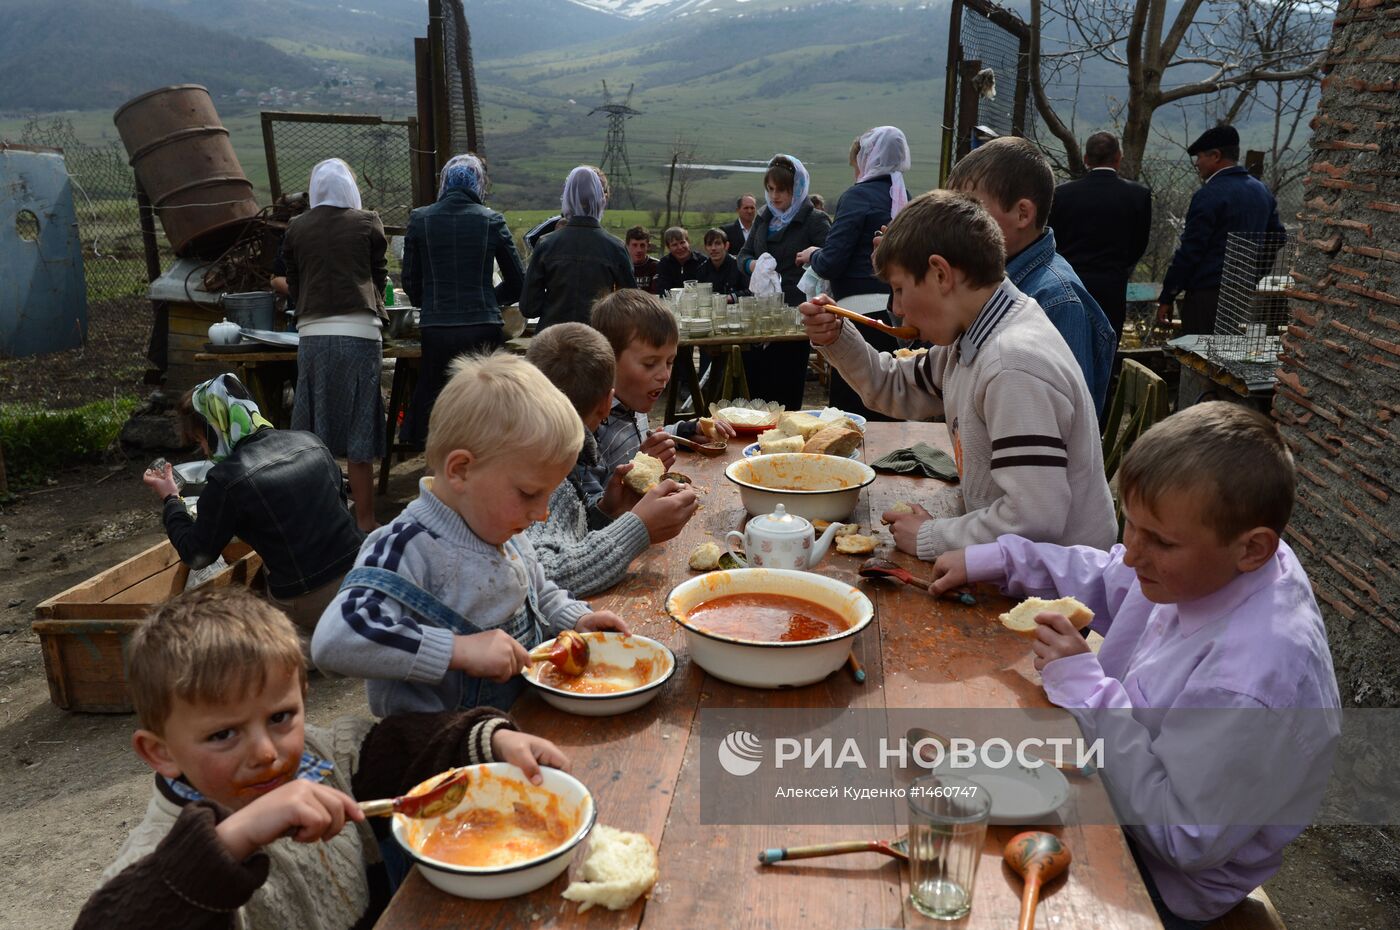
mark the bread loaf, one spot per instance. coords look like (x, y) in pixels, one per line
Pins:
(1021, 618)
(801, 424)
(646, 472)
(780, 444)
(620, 868)
(833, 440)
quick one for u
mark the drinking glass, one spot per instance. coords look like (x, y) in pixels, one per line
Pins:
(947, 828)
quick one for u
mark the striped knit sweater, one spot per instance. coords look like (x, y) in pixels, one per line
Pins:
(365, 634)
(1022, 424)
(581, 550)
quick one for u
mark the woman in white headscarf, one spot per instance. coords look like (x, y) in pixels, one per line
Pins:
(786, 226)
(578, 263)
(879, 158)
(450, 250)
(336, 272)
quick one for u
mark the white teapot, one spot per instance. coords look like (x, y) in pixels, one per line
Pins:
(225, 333)
(781, 540)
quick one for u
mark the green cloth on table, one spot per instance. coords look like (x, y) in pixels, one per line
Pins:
(923, 459)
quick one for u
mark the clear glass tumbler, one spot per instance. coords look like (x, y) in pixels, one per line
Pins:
(947, 829)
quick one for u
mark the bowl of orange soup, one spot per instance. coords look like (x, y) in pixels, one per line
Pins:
(623, 673)
(507, 837)
(818, 487)
(769, 628)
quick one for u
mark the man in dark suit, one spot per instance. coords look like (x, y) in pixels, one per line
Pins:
(1102, 223)
(1230, 201)
(738, 231)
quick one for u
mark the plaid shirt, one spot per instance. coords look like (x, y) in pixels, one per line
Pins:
(619, 437)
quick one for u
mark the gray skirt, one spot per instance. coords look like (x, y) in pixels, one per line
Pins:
(338, 396)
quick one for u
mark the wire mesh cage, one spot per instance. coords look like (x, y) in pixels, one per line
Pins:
(380, 151)
(988, 79)
(1253, 307)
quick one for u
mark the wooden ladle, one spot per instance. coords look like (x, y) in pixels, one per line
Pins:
(884, 568)
(704, 448)
(901, 332)
(441, 798)
(1037, 857)
(568, 652)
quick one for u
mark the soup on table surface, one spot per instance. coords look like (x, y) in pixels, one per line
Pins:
(766, 618)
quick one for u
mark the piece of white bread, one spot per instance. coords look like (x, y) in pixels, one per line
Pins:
(646, 472)
(1021, 618)
(834, 440)
(777, 444)
(620, 868)
(855, 544)
(705, 557)
(801, 424)
(909, 353)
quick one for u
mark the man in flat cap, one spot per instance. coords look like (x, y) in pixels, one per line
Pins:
(1230, 200)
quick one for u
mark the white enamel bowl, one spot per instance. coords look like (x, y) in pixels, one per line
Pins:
(829, 485)
(500, 792)
(770, 665)
(623, 652)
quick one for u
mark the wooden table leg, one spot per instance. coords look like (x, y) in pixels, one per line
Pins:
(397, 389)
(735, 384)
(684, 367)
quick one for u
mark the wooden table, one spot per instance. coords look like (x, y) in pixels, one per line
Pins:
(264, 373)
(643, 767)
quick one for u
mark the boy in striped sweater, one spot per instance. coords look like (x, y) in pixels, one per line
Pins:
(1023, 429)
(443, 603)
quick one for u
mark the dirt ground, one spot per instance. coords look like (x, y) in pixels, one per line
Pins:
(72, 789)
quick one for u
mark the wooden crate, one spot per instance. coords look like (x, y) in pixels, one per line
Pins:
(84, 630)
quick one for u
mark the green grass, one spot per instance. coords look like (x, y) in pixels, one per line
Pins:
(38, 441)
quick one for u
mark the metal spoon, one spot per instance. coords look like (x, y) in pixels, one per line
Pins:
(1038, 857)
(704, 448)
(884, 568)
(440, 799)
(895, 849)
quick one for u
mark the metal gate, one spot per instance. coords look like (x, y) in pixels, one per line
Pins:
(381, 152)
(987, 82)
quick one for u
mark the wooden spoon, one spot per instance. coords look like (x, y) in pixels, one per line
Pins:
(568, 652)
(704, 448)
(1038, 857)
(884, 568)
(440, 799)
(895, 849)
(901, 332)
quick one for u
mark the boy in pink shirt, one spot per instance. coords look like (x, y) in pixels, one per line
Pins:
(1205, 613)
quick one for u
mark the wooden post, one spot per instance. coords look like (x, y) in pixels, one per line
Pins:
(950, 89)
(274, 181)
(148, 233)
(967, 105)
(1023, 86)
(442, 120)
(425, 142)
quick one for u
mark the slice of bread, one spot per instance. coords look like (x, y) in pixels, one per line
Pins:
(1021, 618)
(910, 353)
(855, 544)
(646, 472)
(620, 868)
(780, 444)
(834, 440)
(705, 557)
(801, 424)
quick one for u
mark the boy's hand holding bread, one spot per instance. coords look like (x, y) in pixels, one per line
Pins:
(659, 444)
(904, 521)
(666, 509)
(306, 810)
(618, 495)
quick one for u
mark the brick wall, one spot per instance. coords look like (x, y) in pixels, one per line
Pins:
(1338, 397)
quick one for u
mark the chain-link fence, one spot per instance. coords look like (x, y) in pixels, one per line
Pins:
(381, 152)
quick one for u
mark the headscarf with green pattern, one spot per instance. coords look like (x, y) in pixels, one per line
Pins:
(229, 410)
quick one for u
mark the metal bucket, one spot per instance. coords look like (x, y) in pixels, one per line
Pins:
(251, 310)
(185, 163)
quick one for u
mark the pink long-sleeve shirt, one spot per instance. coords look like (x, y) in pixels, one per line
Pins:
(1198, 704)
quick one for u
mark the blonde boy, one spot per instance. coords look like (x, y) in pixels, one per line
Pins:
(586, 547)
(1022, 424)
(1201, 607)
(444, 602)
(218, 682)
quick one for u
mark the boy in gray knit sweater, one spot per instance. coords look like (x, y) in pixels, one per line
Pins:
(586, 547)
(1022, 423)
(444, 603)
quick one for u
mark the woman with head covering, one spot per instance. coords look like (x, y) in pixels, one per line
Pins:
(449, 251)
(336, 271)
(279, 491)
(879, 158)
(579, 262)
(785, 227)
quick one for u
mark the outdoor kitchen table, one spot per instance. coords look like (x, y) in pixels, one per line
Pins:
(643, 767)
(265, 372)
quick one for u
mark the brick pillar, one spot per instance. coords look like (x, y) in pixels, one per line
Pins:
(1338, 398)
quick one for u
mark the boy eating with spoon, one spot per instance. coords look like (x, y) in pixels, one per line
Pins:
(253, 821)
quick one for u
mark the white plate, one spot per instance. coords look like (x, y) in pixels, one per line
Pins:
(1019, 795)
(271, 338)
(752, 449)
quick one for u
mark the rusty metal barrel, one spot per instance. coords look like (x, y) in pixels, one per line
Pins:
(184, 161)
